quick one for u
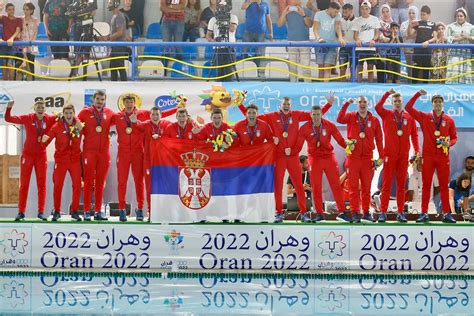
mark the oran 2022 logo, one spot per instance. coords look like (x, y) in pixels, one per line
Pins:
(332, 245)
(13, 243)
(174, 241)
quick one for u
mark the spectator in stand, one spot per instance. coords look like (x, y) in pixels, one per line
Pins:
(345, 53)
(459, 191)
(207, 14)
(394, 53)
(130, 19)
(191, 20)
(118, 33)
(413, 15)
(57, 25)
(29, 32)
(11, 30)
(385, 32)
(467, 5)
(257, 23)
(366, 31)
(320, 5)
(375, 7)
(172, 24)
(439, 58)
(327, 29)
(137, 12)
(298, 20)
(459, 32)
(400, 9)
(425, 31)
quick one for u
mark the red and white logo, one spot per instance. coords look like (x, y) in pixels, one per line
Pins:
(194, 180)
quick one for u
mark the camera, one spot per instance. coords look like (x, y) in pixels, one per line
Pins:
(223, 19)
(81, 9)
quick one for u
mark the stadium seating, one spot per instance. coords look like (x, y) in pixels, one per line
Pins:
(154, 31)
(207, 72)
(184, 68)
(151, 73)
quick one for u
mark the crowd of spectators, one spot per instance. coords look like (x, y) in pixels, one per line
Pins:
(331, 21)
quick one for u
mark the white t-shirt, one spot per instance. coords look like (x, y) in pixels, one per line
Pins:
(212, 27)
(347, 32)
(366, 28)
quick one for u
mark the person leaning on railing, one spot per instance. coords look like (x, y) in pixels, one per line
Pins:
(57, 24)
(460, 32)
(11, 29)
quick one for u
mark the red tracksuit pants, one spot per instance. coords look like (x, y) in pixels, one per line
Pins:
(124, 162)
(60, 169)
(96, 166)
(398, 167)
(429, 165)
(359, 171)
(27, 163)
(147, 172)
(329, 166)
(292, 164)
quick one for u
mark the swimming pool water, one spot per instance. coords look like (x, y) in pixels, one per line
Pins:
(234, 294)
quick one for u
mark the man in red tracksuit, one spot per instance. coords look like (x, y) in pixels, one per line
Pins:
(212, 129)
(398, 127)
(365, 129)
(183, 128)
(36, 125)
(152, 130)
(439, 134)
(317, 134)
(251, 130)
(67, 158)
(130, 154)
(285, 125)
(96, 153)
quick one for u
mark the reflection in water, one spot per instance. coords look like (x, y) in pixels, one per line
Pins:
(220, 294)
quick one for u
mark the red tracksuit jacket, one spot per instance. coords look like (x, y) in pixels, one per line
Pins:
(149, 129)
(130, 143)
(34, 129)
(94, 141)
(175, 131)
(274, 119)
(255, 135)
(209, 131)
(67, 147)
(428, 127)
(326, 130)
(398, 146)
(364, 147)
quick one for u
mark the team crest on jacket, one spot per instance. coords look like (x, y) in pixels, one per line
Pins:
(194, 180)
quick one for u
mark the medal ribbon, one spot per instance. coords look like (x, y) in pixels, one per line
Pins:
(157, 129)
(285, 123)
(66, 128)
(438, 124)
(39, 127)
(216, 132)
(399, 123)
(363, 124)
(317, 132)
(127, 119)
(179, 132)
(252, 134)
(98, 118)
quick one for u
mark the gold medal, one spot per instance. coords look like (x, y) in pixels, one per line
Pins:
(437, 133)
(155, 136)
(98, 129)
(318, 144)
(128, 130)
(362, 135)
(285, 134)
(399, 132)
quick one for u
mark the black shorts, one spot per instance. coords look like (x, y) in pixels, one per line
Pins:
(345, 55)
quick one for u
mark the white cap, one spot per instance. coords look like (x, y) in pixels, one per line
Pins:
(366, 3)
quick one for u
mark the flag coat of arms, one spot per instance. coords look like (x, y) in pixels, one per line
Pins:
(190, 182)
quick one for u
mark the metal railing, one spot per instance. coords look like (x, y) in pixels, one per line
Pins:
(164, 51)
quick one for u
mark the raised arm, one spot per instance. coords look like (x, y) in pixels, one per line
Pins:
(15, 119)
(381, 111)
(417, 115)
(343, 117)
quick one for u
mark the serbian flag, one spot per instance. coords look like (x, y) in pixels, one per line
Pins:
(190, 182)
